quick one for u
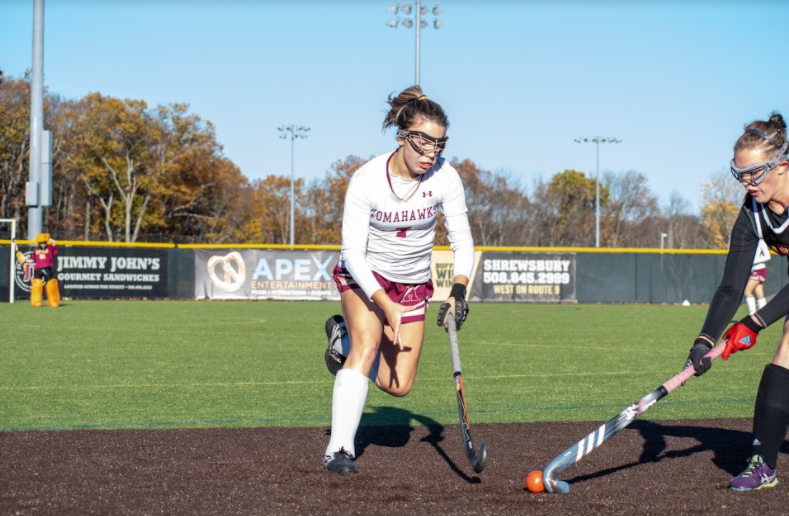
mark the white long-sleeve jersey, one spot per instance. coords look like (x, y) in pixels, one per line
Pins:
(394, 238)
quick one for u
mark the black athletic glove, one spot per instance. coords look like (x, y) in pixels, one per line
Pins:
(456, 301)
(696, 357)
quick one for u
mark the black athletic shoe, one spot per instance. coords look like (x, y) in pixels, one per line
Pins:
(335, 331)
(340, 462)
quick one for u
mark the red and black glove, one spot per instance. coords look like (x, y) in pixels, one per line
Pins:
(740, 336)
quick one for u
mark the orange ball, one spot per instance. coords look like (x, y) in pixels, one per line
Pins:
(534, 482)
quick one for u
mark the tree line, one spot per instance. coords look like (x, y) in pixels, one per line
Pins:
(125, 171)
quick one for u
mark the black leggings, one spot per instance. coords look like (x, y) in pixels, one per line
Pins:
(45, 274)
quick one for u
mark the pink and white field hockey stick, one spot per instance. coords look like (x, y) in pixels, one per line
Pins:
(585, 446)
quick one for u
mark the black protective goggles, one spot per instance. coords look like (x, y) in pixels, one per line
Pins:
(424, 143)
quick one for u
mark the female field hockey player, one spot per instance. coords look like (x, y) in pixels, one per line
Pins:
(760, 165)
(388, 229)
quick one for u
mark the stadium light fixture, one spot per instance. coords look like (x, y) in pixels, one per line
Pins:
(293, 132)
(419, 10)
(597, 140)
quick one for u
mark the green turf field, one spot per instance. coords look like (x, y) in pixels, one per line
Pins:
(160, 364)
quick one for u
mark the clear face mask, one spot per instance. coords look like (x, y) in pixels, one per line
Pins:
(753, 175)
(423, 143)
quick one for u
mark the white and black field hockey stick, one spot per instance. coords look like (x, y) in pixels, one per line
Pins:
(479, 457)
(611, 427)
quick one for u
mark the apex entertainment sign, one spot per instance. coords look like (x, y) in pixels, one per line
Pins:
(257, 274)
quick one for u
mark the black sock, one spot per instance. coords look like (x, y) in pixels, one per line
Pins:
(771, 413)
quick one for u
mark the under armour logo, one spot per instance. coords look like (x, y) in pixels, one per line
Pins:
(427, 194)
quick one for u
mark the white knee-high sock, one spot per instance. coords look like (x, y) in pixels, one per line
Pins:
(760, 302)
(751, 302)
(348, 399)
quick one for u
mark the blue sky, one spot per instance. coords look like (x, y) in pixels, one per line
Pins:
(674, 81)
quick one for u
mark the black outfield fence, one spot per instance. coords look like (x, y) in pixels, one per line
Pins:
(90, 270)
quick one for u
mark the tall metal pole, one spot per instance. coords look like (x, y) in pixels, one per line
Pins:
(418, 30)
(407, 23)
(292, 132)
(35, 220)
(597, 140)
(597, 198)
(292, 179)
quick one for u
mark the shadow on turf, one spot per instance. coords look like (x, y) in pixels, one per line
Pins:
(730, 448)
(391, 427)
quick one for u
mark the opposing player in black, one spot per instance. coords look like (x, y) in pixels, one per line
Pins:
(760, 165)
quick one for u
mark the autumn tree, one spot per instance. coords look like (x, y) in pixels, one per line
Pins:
(497, 207)
(272, 208)
(14, 146)
(122, 151)
(722, 198)
(322, 203)
(565, 209)
(681, 226)
(630, 205)
(202, 196)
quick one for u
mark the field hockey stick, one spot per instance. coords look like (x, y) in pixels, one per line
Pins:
(611, 427)
(480, 457)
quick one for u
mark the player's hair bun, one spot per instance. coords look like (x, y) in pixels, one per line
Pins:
(777, 120)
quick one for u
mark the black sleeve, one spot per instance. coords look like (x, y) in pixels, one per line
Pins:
(727, 299)
(777, 308)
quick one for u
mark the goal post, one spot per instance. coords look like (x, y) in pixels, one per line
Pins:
(12, 259)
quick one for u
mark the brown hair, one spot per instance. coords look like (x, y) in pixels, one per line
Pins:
(774, 128)
(410, 106)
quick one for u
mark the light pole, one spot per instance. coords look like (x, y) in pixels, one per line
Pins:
(662, 236)
(38, 191)
(292, 132)
(419, 9)
(597, 141)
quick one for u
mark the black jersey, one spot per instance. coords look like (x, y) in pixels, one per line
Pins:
(755, 221)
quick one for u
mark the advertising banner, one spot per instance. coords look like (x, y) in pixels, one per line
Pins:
(525, 278)
(442, 272)
(259, 274)
(96, 272)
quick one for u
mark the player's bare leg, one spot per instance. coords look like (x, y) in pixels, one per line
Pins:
(364, 323)
(397, 367)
